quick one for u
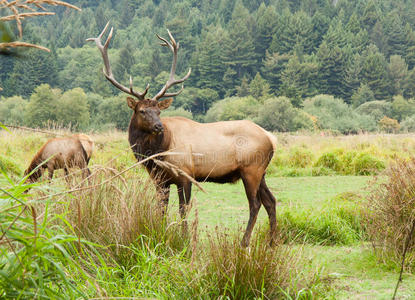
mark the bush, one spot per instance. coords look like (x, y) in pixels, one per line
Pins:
(408, 125)
(389, 213)
(329, 160)
(365, 164)
(376, 109)
(278, 114)
(179, 112)
(335, 114)
(233, 108)
(300, 157)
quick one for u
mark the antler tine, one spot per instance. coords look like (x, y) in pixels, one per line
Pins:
(107, 66)
(174, 47)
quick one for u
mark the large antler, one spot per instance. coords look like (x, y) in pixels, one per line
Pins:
(107, 67)
(174, 47)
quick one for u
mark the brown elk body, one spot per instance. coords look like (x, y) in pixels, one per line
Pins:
(221, 152)
(61, 153)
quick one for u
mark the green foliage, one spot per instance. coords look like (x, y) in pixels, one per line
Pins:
(9, 165)
(333, 113)
(42, 106)
(116, 111)
(402, 108)
(336, 223)
(329, 160)
(12, 110)
(362, 96)
(408, 125)
(376, 109)
(278, 114)
(365, 164)
(360, 52)
(233, 108)
(259, 88)
(38, 255)
(179, 112)
(73, 109)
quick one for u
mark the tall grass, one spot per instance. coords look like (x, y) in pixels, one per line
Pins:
(257, 272)
(121, 213)
(390, 213)
(36, 255)
(338, 222)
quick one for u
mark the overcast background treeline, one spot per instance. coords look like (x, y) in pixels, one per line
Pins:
(345, 66)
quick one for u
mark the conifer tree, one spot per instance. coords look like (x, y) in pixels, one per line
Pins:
(374, 72)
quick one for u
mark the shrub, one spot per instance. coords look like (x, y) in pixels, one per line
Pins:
(278, 114)
(408, 125)
(336, 115)
(389, 213)
(233, 108)
(179, 112)
(321, 171)
(300, 157)
(389, 125)
(377, 109)
(329, 160)
(365, 164)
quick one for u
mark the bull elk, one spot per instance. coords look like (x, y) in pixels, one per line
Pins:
(61, 153)
(221, 152)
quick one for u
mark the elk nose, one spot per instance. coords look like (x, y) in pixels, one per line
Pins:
(158, 127)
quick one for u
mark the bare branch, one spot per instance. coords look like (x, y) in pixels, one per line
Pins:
(22, 44)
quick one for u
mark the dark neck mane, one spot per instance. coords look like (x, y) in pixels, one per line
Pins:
(145, 144)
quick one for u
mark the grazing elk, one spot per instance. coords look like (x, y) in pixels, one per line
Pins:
(62, 153)
(219, 152)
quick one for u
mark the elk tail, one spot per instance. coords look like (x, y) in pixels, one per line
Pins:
(273, 139)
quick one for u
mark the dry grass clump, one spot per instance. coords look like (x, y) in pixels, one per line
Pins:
(257, 272)
(390, 213)
(121, 213)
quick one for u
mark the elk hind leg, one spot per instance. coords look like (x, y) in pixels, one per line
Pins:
(268, 200)
(251, 180)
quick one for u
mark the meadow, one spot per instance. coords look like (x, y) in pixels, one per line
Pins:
(111, 240)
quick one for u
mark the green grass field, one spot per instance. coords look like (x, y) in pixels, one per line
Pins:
(353, 270)
(319, 216)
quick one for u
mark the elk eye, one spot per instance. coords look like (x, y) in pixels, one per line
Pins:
(141, 111)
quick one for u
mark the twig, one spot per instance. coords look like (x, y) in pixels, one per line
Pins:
(408, 240)
(22, 44)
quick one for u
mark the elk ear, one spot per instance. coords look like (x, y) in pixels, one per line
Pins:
(131, 103)
(165, 103)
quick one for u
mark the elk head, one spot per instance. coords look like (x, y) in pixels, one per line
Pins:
(146, 114)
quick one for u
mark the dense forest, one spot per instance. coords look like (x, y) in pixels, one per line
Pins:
(345, 66)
